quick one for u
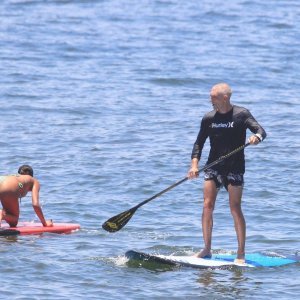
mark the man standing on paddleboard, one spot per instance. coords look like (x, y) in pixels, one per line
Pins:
(13, 188)
(226, 128)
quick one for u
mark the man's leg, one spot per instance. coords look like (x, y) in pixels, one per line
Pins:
(235, 199)
(209, 194)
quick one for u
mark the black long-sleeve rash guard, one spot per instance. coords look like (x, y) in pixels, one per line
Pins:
(226, 132)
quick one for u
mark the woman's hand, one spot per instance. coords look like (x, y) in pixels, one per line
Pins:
(49, 223)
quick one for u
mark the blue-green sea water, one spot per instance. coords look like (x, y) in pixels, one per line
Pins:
(104, 99)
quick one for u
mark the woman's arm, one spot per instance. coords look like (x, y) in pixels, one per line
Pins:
(36, 204)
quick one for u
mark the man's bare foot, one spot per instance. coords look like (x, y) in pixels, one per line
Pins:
(239, 261)
(240, 258)
(205, 253)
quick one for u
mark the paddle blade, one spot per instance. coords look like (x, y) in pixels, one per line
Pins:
(119, 221)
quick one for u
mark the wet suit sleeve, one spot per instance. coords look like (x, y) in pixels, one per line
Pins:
(254, 126)
(201, 138)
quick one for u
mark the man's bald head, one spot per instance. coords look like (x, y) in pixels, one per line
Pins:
(221, 89)
(220, 97)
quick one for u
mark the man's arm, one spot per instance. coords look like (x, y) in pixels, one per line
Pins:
(197, 150)
(256, 128)
(194, 170)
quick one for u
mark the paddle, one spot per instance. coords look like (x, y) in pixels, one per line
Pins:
(119, 221)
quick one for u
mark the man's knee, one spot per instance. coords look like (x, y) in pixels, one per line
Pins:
(208, 204)
(236, 209)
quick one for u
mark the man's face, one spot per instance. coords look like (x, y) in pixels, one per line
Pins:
(216, 98)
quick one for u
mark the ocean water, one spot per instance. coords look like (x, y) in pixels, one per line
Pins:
(104, 99)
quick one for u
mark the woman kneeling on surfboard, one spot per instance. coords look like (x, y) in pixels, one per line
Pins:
(13, 187)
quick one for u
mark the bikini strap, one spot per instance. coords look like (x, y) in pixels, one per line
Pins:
(20, 186)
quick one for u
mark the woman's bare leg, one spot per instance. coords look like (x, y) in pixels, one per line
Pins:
(11, 210)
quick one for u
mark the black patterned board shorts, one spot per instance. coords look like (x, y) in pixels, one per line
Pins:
(235, 179)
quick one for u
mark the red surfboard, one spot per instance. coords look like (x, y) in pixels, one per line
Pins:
(25, 228)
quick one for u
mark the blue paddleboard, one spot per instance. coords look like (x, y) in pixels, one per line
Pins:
(216, 261)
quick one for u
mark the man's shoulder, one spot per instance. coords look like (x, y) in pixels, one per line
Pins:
(240, 110)
(209, 114)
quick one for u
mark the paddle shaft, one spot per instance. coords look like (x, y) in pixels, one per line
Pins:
(220, 159)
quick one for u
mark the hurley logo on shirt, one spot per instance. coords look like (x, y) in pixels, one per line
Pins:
(222, 125)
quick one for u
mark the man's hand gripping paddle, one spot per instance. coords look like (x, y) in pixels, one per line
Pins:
(119, 221)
